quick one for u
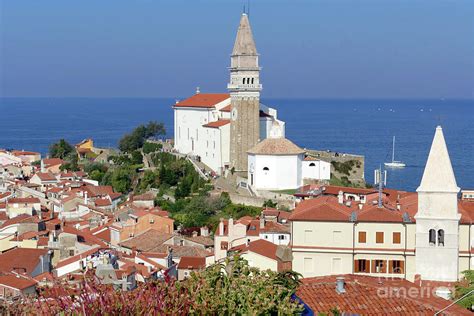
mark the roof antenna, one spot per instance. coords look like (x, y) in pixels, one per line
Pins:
(380, 179)
(244, 9)
(248, 8)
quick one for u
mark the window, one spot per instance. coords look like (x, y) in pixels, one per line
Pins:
(396, 266)
(265, 169)
(362, 265)
(379, 266)
(152, 221)
(432, 237)
(396, 237)
(441, 237)
(379, 237)
(266, 236)
(252, 80)
(243, 80)
(308, 264)
(362, 237)
(312, 164)
(281, 237)
(224, 245)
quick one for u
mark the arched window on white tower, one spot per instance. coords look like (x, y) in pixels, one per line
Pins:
(265, 169)
(432, 237)
(312, 164)
(441, 237)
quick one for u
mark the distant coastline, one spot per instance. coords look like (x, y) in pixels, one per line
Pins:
(344, 125)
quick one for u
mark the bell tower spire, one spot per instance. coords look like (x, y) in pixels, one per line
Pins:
(437, 218)
(244, 88)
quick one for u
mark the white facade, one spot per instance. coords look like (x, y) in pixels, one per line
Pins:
(275, 172)
(316, 170)
(277, 238)
(437, 219)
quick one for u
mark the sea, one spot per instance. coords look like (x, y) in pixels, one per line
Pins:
(363, 127)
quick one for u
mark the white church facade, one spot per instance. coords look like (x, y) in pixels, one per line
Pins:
(426, 235)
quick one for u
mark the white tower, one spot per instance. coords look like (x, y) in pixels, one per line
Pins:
(437, 219)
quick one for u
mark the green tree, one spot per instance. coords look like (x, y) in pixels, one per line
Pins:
(464, 287)
(270, 203)
(97, 175)
(137, 157)
(137, 137)
(121, 179)
(60, 149)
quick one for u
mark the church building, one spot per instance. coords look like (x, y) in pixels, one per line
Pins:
(221, 127)
(235, 132)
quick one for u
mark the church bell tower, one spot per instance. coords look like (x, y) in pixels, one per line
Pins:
(244, 88)
(437, 218)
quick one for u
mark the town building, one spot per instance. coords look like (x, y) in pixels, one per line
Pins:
(423, 235)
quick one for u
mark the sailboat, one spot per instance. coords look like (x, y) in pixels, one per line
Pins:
(394, 163)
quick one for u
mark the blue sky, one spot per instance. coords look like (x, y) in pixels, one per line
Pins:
(309, 48)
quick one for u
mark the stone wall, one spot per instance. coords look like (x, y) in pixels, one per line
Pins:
(258, 201)
(244, 129)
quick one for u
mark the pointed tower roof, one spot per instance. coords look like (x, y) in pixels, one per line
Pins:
(438, 175)
(244, 43)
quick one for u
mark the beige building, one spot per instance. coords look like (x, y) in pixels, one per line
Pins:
(18, 206)
(424, 235)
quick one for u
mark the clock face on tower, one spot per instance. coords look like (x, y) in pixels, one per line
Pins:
(233, 114)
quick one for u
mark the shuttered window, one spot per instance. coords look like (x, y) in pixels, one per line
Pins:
(396, 237)
(362, 237)
(396, 266)
(379, 237)
(379, 266)
(362, 266)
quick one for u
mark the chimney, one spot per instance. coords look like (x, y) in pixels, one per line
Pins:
(340, 285)
(230, 227)
(340, 197)
(198, 90)
(86, 199)
(360, 206)
(262, 221)
(195, 233)
(399, 206)
(221, 227)
(169, 258)
(42, 166)
(204, 231)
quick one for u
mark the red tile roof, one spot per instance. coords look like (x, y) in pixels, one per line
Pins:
(203, 100)
(24, 153)
(102, 202)
(46, 176)
(49, 162)
(226, 108)
(372, 296)
(21, 260)
(217, 124)
(192, 263)
(261, 247)
(16, 282)
(23, 200)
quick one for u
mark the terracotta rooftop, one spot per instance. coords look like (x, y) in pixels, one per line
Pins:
(16, 282)
(23, 200)
(366, 295)
(276, 146)
(146, 241)
(21, 260)
(203, 100)
(217, 124)
(192, 263)
(49, 162)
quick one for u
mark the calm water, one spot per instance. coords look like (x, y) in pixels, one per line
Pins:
(363, 127)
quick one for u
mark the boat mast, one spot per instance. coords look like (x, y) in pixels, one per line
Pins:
(393, 149)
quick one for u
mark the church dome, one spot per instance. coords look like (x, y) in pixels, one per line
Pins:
(276, 146)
